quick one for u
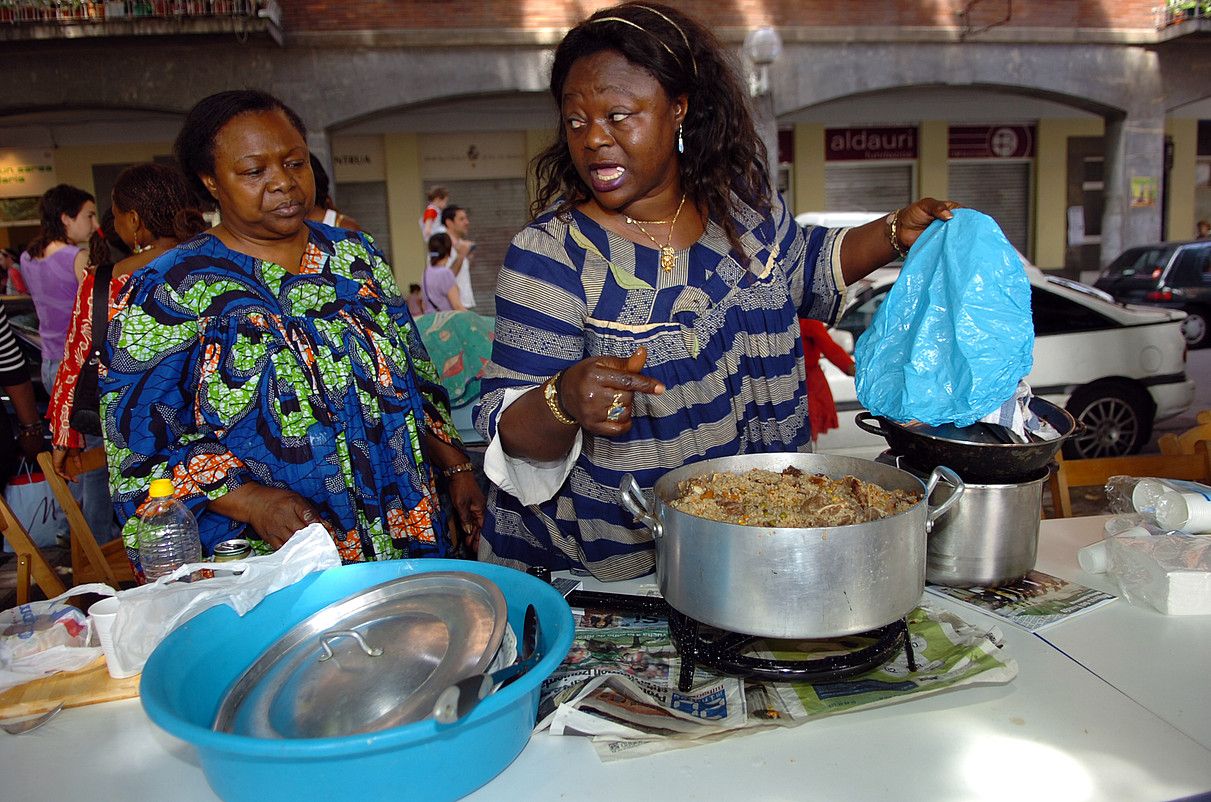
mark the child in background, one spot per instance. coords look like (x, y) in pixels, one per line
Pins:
(816, 343)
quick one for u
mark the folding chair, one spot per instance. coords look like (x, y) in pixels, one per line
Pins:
(1095, 471)
(36, 566)
(90, 561)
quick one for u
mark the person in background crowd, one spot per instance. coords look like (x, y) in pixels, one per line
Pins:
(270, 368)
(151, 212)
(1204, 229)
(9, 267)
(324, 210)
(821, 408)
(440, 286)
(416, 304)
(648, 317)
(431, 218)
(458, 225)
(14, 378)
(69, 216)
(104, 241)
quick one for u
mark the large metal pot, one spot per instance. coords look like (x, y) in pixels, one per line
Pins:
(791, 582)
(968, 452)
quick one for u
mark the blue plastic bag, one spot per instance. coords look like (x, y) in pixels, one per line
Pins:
(955, 334)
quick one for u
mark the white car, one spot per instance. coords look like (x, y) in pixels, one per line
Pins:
(1116, 368)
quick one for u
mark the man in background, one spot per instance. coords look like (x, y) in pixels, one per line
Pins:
(458, 226)
(1204, 229)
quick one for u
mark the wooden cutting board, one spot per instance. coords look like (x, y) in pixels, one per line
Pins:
(90, 685)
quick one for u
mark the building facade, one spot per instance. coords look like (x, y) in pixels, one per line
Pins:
(1082, 126)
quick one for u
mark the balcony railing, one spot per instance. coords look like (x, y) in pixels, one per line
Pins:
(98, 17)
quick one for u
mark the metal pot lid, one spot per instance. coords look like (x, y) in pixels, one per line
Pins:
(375, 660)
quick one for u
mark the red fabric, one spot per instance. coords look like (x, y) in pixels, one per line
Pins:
(75, 353)
(430, 213)
(816, 343)
(17, 280)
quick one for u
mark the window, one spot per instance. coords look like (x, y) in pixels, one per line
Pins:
(1054, 314)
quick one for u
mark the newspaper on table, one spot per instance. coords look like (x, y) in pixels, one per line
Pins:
(618, 684)
(1034, 602)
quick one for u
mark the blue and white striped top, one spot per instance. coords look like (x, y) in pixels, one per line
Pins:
(722, 334)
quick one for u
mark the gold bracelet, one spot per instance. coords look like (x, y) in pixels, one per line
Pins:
(464, 467)
(551, 394)
(893, 233)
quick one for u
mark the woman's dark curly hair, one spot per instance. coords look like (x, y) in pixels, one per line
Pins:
(162, 198)
(104, 246)
(723, 154)
(63, 199)
(194, 147)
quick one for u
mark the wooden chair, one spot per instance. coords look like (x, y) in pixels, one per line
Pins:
(1089, 472)
(1184, 443)
(90, 561)
(31, 563)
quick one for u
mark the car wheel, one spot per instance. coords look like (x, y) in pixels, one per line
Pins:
(1195, 328)
(1117, 420)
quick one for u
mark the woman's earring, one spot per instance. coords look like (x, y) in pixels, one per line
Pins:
(680, 141)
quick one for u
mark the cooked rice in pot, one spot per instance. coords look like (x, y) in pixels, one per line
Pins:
(791, 499)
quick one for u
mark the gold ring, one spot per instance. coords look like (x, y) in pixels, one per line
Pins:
(616, 410)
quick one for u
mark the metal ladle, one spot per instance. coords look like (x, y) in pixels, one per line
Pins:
(456, 701)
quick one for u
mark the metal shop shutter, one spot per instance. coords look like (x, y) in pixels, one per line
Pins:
(366, 202)
(866, 187)
(1000, 190)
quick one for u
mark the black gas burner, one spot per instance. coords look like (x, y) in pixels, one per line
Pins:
(724, 652)
(702, 646)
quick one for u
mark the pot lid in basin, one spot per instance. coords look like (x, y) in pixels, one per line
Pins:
(375, 660)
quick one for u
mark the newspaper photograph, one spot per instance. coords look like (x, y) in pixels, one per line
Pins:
(1034, 602)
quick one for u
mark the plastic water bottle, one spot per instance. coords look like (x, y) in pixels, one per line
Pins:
(168, 533)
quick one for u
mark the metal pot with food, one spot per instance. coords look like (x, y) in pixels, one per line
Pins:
(770, 568)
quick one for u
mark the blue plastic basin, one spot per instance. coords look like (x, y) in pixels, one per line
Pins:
(189, 673)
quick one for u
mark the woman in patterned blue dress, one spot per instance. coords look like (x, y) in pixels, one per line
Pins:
(270, 367)
(648, 316)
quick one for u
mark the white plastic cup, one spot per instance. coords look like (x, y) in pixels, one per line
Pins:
(1145, 495)
(1189, 512)
(1093, 558)
(103, 615)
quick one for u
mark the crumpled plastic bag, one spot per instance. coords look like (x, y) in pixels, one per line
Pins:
(955, 334)
(41, 638)
(147, 614)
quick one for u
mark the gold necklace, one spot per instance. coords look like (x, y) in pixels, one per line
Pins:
(668, 256)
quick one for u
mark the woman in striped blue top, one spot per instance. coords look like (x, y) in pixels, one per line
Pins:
(648, 316)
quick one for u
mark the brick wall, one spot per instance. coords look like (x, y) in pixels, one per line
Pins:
(319, 15)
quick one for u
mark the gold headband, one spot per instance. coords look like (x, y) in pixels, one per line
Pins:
(638, 27)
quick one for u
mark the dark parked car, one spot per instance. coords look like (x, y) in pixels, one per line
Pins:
(1175, 275)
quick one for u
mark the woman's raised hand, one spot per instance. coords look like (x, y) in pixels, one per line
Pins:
(598, 391)
(916, 217)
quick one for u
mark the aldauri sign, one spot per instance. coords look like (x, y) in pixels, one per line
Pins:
(867, 144)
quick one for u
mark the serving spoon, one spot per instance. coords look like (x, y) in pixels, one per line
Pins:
(19, 726)
(456, 701)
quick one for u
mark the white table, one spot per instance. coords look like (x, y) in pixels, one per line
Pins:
(1105, 718)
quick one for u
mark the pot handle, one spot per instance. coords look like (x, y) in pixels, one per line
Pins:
(637, 504)
(942, 473)
(863, 420)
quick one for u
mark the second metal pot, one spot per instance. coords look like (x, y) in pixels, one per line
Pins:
(814, 582)
(990, 537)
